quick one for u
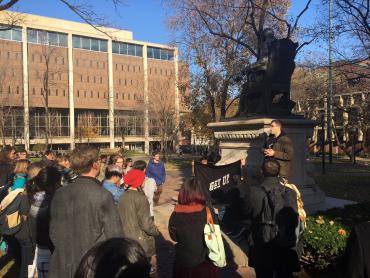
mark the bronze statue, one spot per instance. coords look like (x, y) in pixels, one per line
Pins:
(267, 89)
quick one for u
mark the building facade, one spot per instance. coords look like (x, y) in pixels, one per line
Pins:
(66, 83)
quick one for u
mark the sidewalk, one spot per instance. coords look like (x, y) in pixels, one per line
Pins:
(166, 247)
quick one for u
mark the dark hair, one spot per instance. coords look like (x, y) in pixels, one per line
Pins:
(278, 123)
(83, 158)
(22, 151)
(191, 192)
(114, 258)
(47, 152)
(271, 167)
(129, 159)
(139, 165)
(5, 152)
(103, 156)
(113, 170)
(154, 153)
(48, 180)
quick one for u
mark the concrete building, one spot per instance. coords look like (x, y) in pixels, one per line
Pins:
(102, 87)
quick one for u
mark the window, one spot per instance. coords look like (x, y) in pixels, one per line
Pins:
(128, 96)
(127, 49)
(159, 53)
(91, 94)
(64, 93)
(33, 91)
(17, 90)
(78, 93)
(56, 92)
(47, 37)
(14, 34)
(90, 43)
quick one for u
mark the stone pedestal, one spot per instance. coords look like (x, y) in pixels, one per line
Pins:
(241, 138)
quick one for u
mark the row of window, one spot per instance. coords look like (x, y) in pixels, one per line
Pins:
(160, 53)
(89, 63)
(14, 34)
(47, 37)
(90, 43)
(9, 90)
(133, 68)
(127, 49)
(61, 39)
(56, 92)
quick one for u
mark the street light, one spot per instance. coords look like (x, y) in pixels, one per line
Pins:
(353, 132)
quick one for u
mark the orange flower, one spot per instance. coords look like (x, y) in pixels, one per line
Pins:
(342, 232)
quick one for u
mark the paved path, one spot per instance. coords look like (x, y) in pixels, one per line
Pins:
(165, 246)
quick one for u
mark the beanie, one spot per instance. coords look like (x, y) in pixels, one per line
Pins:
(134, 178)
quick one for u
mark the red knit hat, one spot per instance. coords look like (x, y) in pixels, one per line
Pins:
(134, 178)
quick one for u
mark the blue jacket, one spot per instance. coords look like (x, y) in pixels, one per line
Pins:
(112, 188)
(20, 180)
(156, 171)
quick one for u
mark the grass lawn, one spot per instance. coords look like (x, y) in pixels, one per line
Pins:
(345, 186)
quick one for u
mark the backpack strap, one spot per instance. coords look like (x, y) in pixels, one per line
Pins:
(209, 218)
(10, 198)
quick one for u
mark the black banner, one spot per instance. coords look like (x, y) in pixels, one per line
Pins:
(216, 179)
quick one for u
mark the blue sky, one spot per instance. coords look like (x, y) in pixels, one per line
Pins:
(145, 18)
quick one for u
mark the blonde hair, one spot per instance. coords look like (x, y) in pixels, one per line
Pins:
(301, 212)
(21, 166)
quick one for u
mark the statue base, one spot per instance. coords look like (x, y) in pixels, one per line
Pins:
(240, 138)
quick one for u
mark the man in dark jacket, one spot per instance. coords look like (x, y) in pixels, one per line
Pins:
(280, 147)
(48, 159)
(270, 259)
(82, 214)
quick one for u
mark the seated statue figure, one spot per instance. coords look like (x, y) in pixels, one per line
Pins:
(267, 89)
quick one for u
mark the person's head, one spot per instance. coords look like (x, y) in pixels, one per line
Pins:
(129, 162)
(48, 180)
(191, 193)
(34, 169)
(85, 161)
(49, 155)
(63, 160)
(275, 127)
(118, 160)
(22, 154)
(134, 179)
(139, 165)
(270, 168)
(21, 166)
(204, 160)
(7, 154)
(114, 258)
(103, 158)
(156, 156)
(113, 173)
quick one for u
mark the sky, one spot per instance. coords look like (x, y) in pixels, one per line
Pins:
(145, 18)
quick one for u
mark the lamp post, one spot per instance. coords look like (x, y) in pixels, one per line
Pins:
(323, 142)
(353, 131)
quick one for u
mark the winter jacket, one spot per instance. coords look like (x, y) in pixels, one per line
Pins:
(357, 255)
(284, 152)
(156, 171)
(20, 180)
(114, 189)
(186, 227)
(68, 175)
(81, 214)
(47, 162)
(267, 255)
(149, 189)
(136, 221)
(39, 219)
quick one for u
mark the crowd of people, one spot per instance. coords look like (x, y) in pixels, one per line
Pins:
(66, 207)
(91, 215)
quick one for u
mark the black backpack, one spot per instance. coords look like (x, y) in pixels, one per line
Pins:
(10, 218)
(278, 221)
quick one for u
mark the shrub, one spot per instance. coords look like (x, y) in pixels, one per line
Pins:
(324, 242)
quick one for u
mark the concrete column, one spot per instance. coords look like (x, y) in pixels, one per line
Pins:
(345, 123)
(26, 111)
(177, 95)
(146, 100)
(71, 94)
(111, 95)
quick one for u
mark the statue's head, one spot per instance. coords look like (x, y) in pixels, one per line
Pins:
(268, 34)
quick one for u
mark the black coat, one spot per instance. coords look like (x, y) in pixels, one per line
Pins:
(284, 152)
(267, 255)
(6, 169)
(187, 229)
(357, 255)
(82, 214)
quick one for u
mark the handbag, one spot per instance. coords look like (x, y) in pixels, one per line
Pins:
(214, 243)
